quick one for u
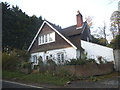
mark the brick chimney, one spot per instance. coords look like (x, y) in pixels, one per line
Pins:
(79, 19)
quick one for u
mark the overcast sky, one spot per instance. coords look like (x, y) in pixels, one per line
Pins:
(63, 12)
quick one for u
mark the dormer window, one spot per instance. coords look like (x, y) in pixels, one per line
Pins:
(47, 38)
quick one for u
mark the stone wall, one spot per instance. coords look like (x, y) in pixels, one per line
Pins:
(117, 59)
(89, 69)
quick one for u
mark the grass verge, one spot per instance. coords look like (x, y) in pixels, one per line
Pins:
(35, 78)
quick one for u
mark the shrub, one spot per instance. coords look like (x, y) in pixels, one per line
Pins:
(9, 61)
(62, 72)
(14, 59)
(77, 62)
(25, 67)
(91, 60)
(116, 42)
(22, 55)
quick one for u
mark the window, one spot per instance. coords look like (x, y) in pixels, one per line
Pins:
(35, 59)
(39, 40)
(52, 36)
(51, 57)
(42, 39)
(60, 57)
(47, 38)
(47, 58)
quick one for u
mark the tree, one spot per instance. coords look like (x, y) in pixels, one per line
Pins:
(100, 41)
(115, 23)
(89, 20)
(116, 42)
(101, 34)
(18, 29)
(95, 40)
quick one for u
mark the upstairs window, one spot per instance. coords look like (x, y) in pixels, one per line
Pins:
(52, 37)
(47, 38)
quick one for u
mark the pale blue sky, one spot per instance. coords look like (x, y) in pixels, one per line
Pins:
(63, 12)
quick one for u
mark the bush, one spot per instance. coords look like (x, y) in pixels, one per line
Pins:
(116, 42)
(62, 72)
(22, 55)
(13, 59)
(77, 62)
(25, 67)
(9, 61)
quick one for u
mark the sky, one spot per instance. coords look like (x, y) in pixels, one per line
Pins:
(63, 12)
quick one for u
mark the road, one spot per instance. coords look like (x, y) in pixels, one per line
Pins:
(9, 84)
(107, 83)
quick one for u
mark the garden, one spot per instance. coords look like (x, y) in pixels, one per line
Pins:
(16, 67)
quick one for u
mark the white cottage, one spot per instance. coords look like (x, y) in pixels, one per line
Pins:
(53, 42)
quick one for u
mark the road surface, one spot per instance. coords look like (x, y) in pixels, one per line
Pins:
(9, 84)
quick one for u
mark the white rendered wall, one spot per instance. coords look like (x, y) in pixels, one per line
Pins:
(95, 50)
(69, 53)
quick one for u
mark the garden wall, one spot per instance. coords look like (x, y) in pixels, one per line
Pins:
(90, 69)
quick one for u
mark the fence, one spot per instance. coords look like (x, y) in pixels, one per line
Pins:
(90, 69)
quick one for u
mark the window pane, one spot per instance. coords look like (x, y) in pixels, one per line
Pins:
(48, 37)
(58, 58)
(35, 59)
(45, 38)
(62, 57)
(42, 39)
(39, 40)
(52, 36)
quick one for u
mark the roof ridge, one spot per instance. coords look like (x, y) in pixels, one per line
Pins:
(54, 25)
(69, 26)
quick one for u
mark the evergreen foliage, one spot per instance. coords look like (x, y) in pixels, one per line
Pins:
(18, 29)
(115, 43)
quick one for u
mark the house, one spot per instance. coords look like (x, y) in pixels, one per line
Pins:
(53, 42)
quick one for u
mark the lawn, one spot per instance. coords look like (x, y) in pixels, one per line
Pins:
(48, 78)
(35, 78)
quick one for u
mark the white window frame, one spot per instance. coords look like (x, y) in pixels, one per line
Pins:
(44, 39)
(61, 58)
(35, 59)
(39, 40)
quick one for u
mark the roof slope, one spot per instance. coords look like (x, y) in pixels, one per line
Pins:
(71, 34)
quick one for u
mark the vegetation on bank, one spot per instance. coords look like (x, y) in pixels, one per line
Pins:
(16, 66)
(44, 78)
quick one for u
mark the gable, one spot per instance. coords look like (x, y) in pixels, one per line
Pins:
(60, 40)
